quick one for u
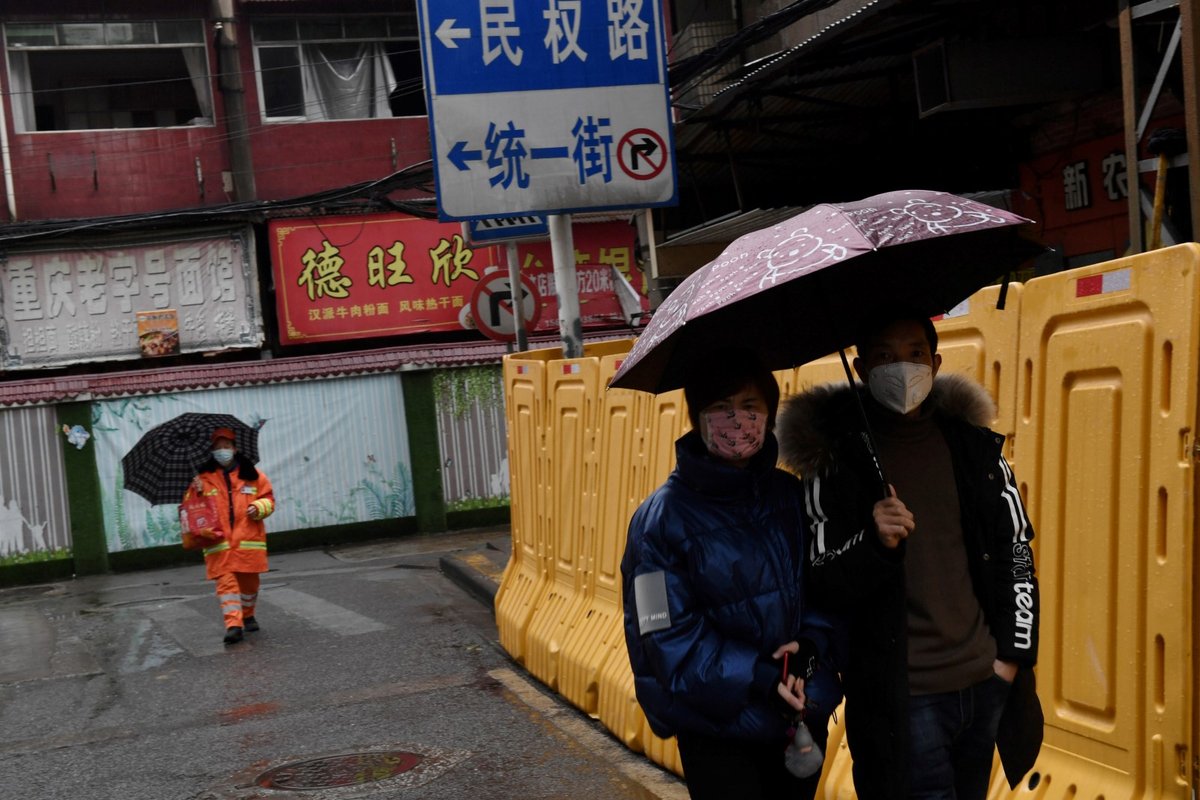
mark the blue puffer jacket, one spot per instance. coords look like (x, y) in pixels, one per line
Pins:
(731, 545)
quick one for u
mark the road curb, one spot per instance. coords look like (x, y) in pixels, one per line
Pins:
(478, 571)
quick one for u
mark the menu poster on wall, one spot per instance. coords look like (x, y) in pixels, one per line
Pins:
(77, 304)
(158, 332)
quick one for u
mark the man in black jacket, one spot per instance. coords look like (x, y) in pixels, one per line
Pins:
(934, 568)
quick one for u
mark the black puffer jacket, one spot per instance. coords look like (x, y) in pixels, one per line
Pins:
(821, 437)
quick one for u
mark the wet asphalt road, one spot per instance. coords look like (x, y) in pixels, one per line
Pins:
(119, 687)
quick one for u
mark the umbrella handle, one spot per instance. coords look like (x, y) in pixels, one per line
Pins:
(872, 449)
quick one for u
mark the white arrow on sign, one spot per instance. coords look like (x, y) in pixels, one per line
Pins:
(447, 33)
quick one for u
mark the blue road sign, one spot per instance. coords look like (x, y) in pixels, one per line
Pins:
(552, 106)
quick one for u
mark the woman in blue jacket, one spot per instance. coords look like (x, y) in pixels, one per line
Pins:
(714, 595)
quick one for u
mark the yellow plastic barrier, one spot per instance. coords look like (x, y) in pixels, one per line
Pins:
(597, 632)
(573, 389)
(978, 340)
(660, 421)
(827, 369)
(1106, 440)
(526, 574)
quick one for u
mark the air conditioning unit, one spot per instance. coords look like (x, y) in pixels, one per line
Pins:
(961, 75)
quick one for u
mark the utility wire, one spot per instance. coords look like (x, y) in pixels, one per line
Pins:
(410, 177)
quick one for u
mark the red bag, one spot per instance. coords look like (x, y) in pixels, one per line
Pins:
(198, 523)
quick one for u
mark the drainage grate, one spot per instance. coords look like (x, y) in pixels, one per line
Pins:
(351, 769)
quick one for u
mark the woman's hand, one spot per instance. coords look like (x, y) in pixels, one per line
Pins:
(790, 688)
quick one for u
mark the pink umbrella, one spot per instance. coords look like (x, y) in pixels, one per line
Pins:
(800, 289)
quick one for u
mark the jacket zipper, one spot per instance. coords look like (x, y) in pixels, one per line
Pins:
(229, 491)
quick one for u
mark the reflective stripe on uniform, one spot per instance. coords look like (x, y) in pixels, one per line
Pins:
(217, 548)
(252, 545)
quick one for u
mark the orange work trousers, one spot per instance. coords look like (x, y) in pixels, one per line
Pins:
(238, 594)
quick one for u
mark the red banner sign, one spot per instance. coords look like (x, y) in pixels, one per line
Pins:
(380, 275)
(598, 248)
(384, 275)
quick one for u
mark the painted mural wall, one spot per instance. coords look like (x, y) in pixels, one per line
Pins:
(35, 521)
(336, 452)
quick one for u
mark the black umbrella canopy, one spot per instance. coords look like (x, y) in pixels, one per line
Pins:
(804, 287)
(167, 457)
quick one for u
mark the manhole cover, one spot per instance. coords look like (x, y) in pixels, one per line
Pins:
(352, 769)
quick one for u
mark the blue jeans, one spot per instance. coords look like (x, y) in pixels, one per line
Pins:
(953, 736)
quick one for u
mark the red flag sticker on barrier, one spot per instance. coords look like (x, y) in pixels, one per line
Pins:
(1115, 281)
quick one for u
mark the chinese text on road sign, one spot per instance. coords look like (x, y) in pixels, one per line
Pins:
(547, 106)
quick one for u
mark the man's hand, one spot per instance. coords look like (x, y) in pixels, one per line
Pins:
(1006, 670)
(893, 520)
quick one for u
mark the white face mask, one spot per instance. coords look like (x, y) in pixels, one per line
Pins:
(223, 457)
(900, 386)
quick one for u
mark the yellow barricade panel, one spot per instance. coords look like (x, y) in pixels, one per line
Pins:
(666, 421)
(526, 574)
(978, 340)
(612, 347)
(827, 369)
(622, 432)
(598, 633)
(544, 355)
(661, 419)
(572, 387)
(617, 705)
(1106, 420)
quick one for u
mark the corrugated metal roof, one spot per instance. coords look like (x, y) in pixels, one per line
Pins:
(43, 391)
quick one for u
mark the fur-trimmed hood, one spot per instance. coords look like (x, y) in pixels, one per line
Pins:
(810, 424)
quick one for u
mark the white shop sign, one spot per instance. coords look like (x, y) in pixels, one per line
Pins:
(67, 305)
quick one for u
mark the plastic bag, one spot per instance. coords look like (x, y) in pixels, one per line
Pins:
(198, 523)
(802, 757)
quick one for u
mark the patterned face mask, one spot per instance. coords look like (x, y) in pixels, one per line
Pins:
(901, 385)
(735, 434)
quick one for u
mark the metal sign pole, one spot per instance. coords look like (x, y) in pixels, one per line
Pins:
(562, 249)
(518, 293)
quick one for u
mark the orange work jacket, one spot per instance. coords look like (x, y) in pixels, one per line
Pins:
(244, 548)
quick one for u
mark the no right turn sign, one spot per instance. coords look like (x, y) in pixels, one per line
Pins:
(493, 306)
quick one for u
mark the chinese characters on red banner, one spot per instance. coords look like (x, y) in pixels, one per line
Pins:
(382, 275)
